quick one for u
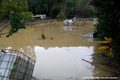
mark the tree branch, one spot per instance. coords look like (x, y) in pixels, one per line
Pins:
(3, 28)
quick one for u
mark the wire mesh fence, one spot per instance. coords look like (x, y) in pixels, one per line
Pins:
(14, 65)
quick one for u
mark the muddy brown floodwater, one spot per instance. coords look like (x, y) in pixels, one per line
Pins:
(58, 56)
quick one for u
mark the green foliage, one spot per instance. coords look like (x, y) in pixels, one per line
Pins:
(61, 15)
(18, 21)
(12, 5)
(26, 15)
(17, 12)
(108, 14)
(71, 6)
(84, 9)
(60, 8)
(48, 7)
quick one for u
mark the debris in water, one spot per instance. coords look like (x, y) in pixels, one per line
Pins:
(43, 36)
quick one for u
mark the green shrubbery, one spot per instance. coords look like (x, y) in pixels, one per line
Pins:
(15, 11)
(108, 14)
(18, 21)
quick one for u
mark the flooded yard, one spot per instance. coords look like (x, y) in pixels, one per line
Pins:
(60, 55)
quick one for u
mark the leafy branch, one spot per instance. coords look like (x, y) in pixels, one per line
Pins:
(17, 12)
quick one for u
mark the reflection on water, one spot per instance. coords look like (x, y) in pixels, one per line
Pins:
(69, 28)
(63, 63)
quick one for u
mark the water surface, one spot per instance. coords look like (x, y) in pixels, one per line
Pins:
(63, 63)
(58, 56)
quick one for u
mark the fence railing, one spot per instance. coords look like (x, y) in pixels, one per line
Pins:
(15, 65)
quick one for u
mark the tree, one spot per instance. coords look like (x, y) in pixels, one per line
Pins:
(62, 11)
(60, 8)
(48, 7)
(71, 6)
(108, 14)
(16, 12)
(84, 9)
